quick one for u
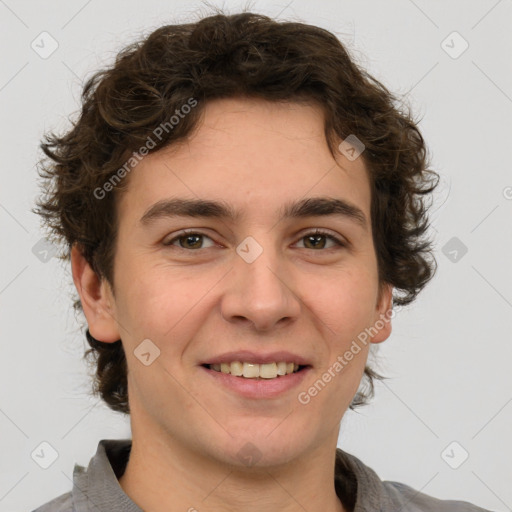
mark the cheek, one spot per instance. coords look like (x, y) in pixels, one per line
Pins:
(344, 303)
(160, 302)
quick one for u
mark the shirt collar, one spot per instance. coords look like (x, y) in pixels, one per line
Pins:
(97, 489)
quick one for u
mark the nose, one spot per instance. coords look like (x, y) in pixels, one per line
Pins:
(260, 293)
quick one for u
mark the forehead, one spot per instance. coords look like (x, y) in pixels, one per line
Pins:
(253, 154)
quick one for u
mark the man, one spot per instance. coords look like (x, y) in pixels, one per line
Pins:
(239, 201)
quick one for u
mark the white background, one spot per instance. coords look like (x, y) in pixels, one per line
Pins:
(449, 356)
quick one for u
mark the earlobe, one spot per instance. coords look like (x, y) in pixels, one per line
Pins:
(96, 299)
(381, 328)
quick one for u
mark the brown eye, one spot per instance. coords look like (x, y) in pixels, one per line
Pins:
(318, 240)
(195, 241)
(189, 240)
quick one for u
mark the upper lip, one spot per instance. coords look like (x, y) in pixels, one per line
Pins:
(247, 356)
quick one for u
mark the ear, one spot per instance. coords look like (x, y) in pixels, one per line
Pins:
(96, 297)
(381, 327)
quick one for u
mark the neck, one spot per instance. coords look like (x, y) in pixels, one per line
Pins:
(162, 475)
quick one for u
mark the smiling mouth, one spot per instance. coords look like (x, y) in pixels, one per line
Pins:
(256, 371)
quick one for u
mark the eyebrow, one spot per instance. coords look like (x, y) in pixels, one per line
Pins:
(202, 208)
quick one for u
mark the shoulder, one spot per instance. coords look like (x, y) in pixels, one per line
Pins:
(63, 503)
(389, 496)
(401, 494)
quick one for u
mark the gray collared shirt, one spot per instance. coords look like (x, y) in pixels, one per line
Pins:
(96, 488)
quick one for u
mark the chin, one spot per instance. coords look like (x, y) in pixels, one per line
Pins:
(259, 448)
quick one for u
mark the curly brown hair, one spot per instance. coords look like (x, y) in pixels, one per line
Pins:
(221, 56)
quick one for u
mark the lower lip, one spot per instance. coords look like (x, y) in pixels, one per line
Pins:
(259, 388)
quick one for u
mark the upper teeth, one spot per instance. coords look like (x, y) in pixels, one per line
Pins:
(254, 370)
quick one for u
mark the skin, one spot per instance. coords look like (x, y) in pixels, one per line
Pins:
(197, 303)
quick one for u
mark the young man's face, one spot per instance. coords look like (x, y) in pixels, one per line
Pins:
(218, 291)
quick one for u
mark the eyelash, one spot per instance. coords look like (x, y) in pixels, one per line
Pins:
(316, 232)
